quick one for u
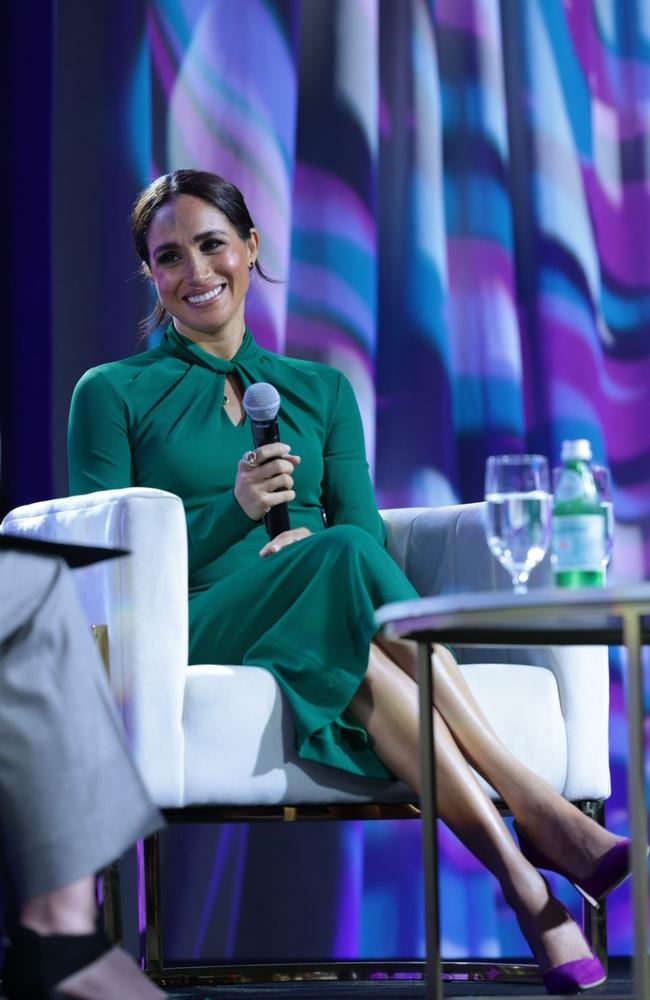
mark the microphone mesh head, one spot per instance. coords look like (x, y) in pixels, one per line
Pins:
(261, 401)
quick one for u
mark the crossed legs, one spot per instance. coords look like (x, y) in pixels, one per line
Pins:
(565, 834)
(387, 705)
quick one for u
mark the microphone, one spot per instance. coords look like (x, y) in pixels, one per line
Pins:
(262, 402)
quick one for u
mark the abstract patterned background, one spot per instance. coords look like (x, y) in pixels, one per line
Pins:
(455, 197)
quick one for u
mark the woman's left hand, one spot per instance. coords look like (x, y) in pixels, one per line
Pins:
(285, 538)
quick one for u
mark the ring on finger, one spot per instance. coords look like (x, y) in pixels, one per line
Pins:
(250, 458)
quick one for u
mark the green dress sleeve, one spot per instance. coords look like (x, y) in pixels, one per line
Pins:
(212, 529)
(348, 497)
(99, 453)
(100, 457)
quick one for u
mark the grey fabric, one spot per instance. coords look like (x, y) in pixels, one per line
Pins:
(70, 799)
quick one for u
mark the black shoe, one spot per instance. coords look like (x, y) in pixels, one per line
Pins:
(35, 963)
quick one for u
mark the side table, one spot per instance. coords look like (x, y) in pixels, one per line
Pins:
(550, 616)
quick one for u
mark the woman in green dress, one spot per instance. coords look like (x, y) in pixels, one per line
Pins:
(302, 605)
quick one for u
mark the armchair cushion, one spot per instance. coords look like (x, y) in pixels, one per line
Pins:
(242, 752)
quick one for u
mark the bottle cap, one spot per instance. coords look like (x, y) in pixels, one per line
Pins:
(579, 450)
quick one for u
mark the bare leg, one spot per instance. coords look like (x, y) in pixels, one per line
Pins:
(72, 910)
(69, 910)
(114, 976)
(387, 705)
(565, 834)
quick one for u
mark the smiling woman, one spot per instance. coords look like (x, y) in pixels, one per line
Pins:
(304, 606)
(200, 267)
(195, 226)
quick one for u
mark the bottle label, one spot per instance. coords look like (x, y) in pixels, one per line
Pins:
(570, 486)
(579, 541)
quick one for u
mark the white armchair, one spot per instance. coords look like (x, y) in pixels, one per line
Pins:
(220, 734)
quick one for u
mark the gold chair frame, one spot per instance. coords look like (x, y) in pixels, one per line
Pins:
(151, 945)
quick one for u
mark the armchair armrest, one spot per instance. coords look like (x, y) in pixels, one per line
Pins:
(443, 550)
(142, 598)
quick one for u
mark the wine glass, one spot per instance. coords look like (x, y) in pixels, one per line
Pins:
(518, 513)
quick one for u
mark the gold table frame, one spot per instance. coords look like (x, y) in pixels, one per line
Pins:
(548, 616)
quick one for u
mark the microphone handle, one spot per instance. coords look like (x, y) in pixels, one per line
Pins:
(277, 519)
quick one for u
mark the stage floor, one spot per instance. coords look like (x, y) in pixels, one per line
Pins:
(619, 984)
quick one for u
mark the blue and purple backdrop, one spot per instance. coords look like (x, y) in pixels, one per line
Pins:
(455, 195)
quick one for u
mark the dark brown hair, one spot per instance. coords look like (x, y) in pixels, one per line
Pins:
(212, 189)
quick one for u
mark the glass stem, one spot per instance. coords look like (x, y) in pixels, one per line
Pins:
(520, 581)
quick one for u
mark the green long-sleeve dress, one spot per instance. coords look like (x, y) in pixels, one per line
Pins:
(305, 613)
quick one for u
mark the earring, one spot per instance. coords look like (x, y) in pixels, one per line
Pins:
(251, 265)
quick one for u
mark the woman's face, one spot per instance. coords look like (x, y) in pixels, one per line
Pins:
(200, 267)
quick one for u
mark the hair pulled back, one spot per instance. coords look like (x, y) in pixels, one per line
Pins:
(212, 189)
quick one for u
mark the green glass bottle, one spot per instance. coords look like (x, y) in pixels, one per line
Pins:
(579, 545)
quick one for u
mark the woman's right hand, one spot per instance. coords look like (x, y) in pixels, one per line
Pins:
(266, 483)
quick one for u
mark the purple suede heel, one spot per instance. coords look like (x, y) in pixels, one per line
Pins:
(612, 869)
(574, 977)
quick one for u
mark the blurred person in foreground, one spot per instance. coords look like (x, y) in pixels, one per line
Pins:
(70, 799)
